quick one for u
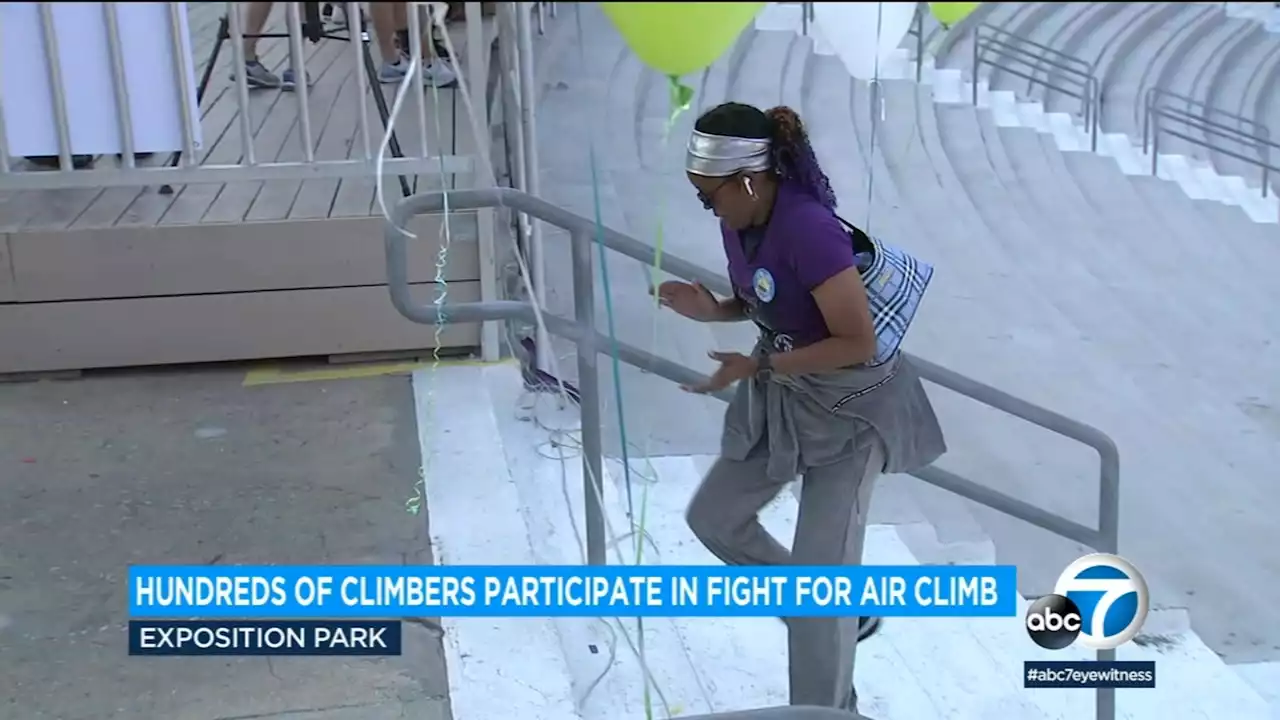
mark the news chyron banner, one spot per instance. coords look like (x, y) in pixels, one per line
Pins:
(354, 610)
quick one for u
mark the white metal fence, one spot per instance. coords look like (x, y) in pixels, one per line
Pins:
(303, 25)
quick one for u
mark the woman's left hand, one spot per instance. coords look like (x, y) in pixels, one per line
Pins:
(733, 367)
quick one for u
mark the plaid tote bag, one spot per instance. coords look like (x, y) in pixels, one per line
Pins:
(895, 282)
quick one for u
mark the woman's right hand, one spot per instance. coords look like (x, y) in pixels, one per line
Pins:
(691, 300)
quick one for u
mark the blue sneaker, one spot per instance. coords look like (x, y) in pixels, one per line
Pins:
(289, 81)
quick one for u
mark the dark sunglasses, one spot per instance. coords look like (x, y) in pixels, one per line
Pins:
(709, 199)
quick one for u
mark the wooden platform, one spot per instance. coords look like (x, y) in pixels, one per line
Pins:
(124, 276)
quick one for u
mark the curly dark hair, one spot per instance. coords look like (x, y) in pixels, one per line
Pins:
(793, 156)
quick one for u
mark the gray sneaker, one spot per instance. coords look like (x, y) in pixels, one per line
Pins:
(258, 76)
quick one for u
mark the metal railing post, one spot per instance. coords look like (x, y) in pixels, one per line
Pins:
(1155, 144)
(1095, 110)
(1266, 159)
(180, 43)
(1146, 120)
(1109, 542)
(918, 22)
(584, 312)
(119, 84)
(56, 87)
(477, 76)
(529, 162)
(512, 127)
(977, 41)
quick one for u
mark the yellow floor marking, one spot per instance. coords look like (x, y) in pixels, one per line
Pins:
(277, 376)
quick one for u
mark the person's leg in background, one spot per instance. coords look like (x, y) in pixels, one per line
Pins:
(436, 67)
(390, 24)
(255, 21)
(452, 15)
(830, 530)
(383, 17)
(257, 74)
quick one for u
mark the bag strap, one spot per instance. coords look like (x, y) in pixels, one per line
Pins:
(861, 241)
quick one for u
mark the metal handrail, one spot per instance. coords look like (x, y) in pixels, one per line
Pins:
(583, 233)
(999, 48)
(1155, 109)
(1155, 94)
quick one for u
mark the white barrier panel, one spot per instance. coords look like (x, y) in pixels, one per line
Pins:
(150, 69)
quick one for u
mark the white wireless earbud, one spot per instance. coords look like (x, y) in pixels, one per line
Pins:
(746, 183)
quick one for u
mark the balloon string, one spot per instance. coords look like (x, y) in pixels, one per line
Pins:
(616, 365)
(681, 101)
(876, 109)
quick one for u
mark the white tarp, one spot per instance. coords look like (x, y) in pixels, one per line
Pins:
(148, 51)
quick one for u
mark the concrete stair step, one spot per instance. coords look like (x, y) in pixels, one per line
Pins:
(1263, 677)
(460, 438)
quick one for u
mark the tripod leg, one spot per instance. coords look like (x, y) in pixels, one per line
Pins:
(224, 34)
(384, 113)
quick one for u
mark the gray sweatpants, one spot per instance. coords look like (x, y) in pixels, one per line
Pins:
(724, 515)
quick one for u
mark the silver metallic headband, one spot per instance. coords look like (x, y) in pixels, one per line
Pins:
(722, 156)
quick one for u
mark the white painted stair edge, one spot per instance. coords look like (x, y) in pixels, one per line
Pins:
(1263, 12)
(1197, 178)
(495, 496)
(498, 667)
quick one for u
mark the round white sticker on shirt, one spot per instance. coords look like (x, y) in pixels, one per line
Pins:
(763, 283)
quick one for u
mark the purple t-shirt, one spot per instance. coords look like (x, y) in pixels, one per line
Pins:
(803, 246)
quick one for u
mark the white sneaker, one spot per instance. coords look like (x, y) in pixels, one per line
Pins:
(391, 73)
(437, 73)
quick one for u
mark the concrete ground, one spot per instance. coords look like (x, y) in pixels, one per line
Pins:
(192, 466)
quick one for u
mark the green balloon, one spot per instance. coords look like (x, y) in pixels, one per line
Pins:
(677, 38)
(950, 13)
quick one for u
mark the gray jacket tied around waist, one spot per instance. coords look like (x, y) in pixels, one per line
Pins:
(814, 420)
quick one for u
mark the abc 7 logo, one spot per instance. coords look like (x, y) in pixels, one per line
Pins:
(1100, 600)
